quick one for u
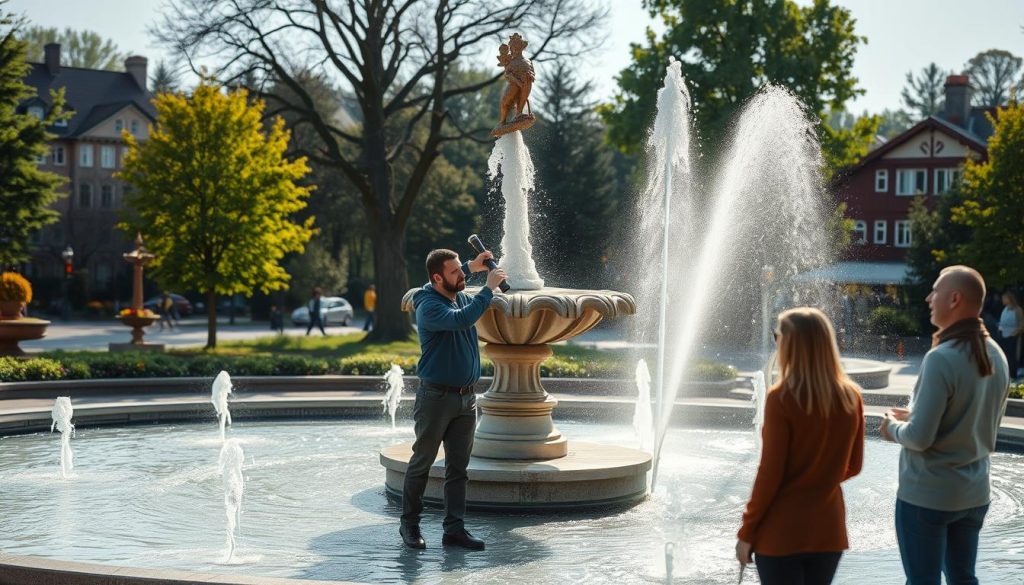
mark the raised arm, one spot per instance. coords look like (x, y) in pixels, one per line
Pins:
(438, 315)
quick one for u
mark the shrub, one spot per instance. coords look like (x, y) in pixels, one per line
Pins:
(31, 370)
(376, 364)
(891, 321)
(1017, 391)
(15, 288)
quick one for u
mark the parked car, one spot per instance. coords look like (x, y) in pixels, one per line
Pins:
(333, 311)
(184, 305)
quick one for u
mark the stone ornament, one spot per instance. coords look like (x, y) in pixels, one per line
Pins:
(520, 77)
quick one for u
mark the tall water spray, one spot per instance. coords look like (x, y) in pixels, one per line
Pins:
(758, 397)
(393, 394)
(61, 415)
(765, 208)
(643, 417)
(219, 397)
(230, 463)
(511, 159)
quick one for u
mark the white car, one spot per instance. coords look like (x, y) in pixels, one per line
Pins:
(333, 311)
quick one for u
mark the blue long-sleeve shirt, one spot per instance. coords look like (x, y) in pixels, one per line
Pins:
(450, 351)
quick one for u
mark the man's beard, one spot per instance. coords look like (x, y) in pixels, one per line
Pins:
(453, 288)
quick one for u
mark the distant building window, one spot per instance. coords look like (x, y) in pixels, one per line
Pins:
(36, 237)
(85, 155)
(126, 192)
(107, 156)
(945, 179)
(881, 227)
(41, 159)
(36, 111)
(911, 182)
(118, 125)
(61, 123)
(135, 127)
(106, 196)
(860, 231)
(881, 181)
(903, 238)
(57, 155)
(85, 195)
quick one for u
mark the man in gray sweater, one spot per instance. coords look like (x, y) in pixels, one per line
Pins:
(947, 435)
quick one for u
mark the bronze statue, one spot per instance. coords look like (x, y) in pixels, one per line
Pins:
(519, 75)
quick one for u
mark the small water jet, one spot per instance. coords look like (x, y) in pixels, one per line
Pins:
(393, 395)
(219, 397)
(62, 413)
(230, 465)
(643, 417)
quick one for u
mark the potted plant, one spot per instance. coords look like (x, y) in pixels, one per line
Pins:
(15, 293)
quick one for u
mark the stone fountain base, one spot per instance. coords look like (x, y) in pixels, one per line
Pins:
(588, 476)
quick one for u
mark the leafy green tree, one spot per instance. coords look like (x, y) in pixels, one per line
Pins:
(936, 242)
(214, 195)
(730, 48)
(925, 94)
(78, 48)
(994, 75)
(316, 266)
(993, 202)
(576, 175)
(894, 123)
(26, 192)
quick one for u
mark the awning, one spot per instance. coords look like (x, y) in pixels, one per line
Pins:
(870, 273)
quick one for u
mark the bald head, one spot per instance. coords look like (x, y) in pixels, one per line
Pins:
(968, 282)
(957, 294)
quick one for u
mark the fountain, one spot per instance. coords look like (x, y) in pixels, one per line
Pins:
(230, 465)
(393, 395)
(219, 397)
(643, 418)
(520, 459)
(62, 413)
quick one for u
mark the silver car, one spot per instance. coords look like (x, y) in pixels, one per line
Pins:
(333, 311)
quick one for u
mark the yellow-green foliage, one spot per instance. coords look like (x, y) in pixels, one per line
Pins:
(214, 193)
(14, 287)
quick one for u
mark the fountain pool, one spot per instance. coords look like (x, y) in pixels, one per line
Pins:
(315, 508)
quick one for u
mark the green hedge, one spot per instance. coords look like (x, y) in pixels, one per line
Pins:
(891, 321)
(1017, 391)
(86, 365)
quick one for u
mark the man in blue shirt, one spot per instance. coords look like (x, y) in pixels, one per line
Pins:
(445, 409)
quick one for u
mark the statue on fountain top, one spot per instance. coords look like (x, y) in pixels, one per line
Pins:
(516, 98)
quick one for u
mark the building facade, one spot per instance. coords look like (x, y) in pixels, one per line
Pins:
(926, 160)
(88, 149)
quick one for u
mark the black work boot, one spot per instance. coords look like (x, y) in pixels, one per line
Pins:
(464, 539)
(412, 537)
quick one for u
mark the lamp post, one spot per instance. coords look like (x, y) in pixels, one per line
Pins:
(68, 255)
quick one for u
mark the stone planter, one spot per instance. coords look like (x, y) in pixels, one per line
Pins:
(10, 310)
(137, 323)
(13, 331)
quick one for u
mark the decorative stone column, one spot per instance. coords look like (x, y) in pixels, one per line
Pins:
(136, 316)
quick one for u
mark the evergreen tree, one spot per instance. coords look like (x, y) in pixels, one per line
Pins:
(165, 79)
(78, 48)
(214, 196)
(995, 75)
(575, 174)
(925, 94)
(26, 192)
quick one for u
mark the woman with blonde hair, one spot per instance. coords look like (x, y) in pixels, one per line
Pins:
(794, 525)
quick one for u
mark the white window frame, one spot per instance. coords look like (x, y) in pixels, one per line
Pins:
(37, 111)
(914, 174)
(85, 155)
(882, 181)
(904, 228)
(949, 175)
(118, 125)
(881, 232)
(61, 123)
(57, 156)
(135, 127)
(860, 227)
(108, 157)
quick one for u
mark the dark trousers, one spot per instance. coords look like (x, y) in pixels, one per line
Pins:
(933, 542)
(369, 321)
(1009, 346)
(801, 569)
(447, 417)
(317, 323)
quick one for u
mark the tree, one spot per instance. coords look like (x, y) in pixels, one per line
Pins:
(925, 94)
(994, 74)
(935, 243)
(993, 202)
(165, 78)
(894, 123)
(78, 48)
(575, 172)
(730, 48)
(395, 58)
(26, 192)
(214, 194)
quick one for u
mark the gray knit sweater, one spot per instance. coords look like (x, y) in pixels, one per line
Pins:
(954, 417)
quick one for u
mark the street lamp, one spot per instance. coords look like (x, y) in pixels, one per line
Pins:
(68, 255)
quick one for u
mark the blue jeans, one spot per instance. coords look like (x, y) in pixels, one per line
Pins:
(933, 542)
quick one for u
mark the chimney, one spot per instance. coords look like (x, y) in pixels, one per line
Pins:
(136, 67)
(958, 100)
(52, 58)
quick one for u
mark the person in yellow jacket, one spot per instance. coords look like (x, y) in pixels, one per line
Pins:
(370, 304)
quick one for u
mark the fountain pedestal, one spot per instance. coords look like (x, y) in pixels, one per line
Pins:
(520, 459)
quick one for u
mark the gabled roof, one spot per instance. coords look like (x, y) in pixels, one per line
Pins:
(929, 123)
(88, 93)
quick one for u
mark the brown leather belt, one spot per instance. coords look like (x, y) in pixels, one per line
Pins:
(457, 389)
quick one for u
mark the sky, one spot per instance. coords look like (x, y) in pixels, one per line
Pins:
(903, 35)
